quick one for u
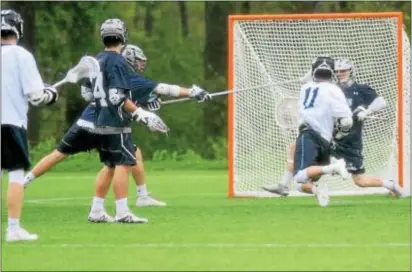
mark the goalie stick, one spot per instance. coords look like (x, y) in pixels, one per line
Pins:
(88, 67)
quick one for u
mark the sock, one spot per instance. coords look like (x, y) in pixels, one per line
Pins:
(388, 184)
(121, 206)
(328, 169)
(13, 223)
(142, 190)
(29, 178)
(287, 177)
(98, 204)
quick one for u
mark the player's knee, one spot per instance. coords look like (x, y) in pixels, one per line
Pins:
(301, 176)
(359, 180)
(139, 157)
(58, 156)
(16, 176)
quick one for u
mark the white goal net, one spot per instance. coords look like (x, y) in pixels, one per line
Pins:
(270, 49)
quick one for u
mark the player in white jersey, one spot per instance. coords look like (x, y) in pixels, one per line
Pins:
(21, 84)
(322, 106)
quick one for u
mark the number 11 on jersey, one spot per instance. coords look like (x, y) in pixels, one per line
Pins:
(310, 96)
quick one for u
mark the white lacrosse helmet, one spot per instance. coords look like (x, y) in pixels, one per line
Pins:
(11, 21)
(135, 57)
(343, 70)
(114, 28)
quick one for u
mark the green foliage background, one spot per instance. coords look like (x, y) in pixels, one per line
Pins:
(62, 32)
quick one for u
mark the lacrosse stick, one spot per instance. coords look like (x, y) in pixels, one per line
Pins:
(88, 67)
(233, 91)
(287, 116)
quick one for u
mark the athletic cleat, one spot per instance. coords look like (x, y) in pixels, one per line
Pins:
(397, 190)
(100, 217)
(322, 197)
(149, 201)
(278, 189)
(130, 218)
(20, 234)
(340, 169)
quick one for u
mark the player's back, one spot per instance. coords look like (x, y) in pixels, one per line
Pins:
(319, 105)
(18, 72)
(115, 75)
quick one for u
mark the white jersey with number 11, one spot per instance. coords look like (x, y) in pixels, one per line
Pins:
(320, 104)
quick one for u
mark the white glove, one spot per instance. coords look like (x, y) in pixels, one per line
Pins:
(151, 120)
(199, 94)
(47, 96)
(360, 113)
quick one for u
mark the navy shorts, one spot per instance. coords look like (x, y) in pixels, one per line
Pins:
(14, 148)
(311, 149)
(77, 140)
(117, 149)
(353, 158)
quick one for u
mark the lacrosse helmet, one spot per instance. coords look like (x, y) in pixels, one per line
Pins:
(343, 70)
(135, 57)
(323, 68)
(114, 28)
(11, 22)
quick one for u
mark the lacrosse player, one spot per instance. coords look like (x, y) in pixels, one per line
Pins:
(363, 100)
(320, 104)
(147, 92)
(21, 84)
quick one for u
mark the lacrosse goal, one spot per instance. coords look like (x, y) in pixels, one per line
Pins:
(266, 49)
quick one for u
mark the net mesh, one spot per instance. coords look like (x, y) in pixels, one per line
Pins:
(274, 51)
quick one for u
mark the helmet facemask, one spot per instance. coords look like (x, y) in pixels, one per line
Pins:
(343, 71)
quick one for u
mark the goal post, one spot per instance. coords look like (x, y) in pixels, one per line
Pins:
(278, 48)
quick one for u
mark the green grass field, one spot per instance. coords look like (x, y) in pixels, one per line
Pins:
(201, 229)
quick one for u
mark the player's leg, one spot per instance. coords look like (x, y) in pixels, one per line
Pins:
(15, 159)
(144, 199)
(120, 153)
(283, 188)
(74, 141)
(355, 166)
(97, 212)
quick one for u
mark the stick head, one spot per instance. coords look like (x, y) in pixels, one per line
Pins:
(88, 67)
(287, 115)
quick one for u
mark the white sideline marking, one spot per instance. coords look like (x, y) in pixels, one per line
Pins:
(212, 245)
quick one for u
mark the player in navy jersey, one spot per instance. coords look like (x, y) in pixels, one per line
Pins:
(363, 101)
(147, 92)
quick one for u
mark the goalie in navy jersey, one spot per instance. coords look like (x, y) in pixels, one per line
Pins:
(363, 101)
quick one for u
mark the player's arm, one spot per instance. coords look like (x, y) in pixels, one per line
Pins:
(194, 92)
(33, 86)
(341, 112)
(374, 103)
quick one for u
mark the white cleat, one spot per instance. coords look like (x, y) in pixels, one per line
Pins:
(278, 189)
(20, 234)
(129, 217)
(322, 197)
(397, 190)
(100, 217)
(149, 201)
(340, 168)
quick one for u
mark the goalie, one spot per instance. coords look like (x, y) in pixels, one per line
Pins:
(363, 101)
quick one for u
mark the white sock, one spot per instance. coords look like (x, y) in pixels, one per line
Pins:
(13, 223)
(98, 204)
(287, 177)
(328, 169)
(388, 184)
(121, 206)
(142, 190)
(29, 178)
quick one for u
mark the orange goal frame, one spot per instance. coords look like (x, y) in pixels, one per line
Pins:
(400, 110)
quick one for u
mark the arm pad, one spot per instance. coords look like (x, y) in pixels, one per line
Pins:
(167, 89)
(116, 96)
(378, 104)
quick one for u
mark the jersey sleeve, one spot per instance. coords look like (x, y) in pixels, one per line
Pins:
(141, 89)
(368, 94)
(30, 78)
(118, 78)
(339, 105)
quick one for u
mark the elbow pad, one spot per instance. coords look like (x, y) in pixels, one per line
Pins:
(86, 93)
(47, 96)
(116, 97)
(167, 89)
